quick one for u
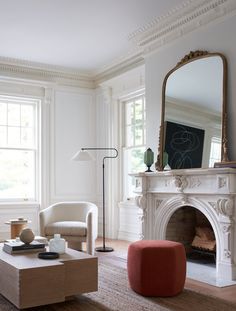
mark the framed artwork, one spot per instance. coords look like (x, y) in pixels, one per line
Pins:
(184, 145)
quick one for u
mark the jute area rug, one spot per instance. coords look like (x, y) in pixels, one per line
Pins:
(114, 294)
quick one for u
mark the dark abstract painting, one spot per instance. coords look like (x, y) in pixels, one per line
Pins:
(184, 145)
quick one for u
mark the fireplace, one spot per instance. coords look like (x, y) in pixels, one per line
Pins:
(204, 197)
(191, 228)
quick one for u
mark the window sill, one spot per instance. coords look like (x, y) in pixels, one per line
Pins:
(24, 204)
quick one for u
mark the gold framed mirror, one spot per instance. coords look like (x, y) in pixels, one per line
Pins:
(193, 119)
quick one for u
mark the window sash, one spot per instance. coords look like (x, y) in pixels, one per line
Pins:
(134, 122)
(19, 189)
(134, 118)
(215, 151)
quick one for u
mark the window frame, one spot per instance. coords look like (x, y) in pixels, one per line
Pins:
(36, 103)
(218, 141)
(124, 147)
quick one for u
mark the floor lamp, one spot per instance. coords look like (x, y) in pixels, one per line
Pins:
(83, 155)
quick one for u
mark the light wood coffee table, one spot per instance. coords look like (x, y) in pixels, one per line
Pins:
(28, 281)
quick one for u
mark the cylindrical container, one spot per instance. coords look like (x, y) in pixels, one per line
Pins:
(57, 244)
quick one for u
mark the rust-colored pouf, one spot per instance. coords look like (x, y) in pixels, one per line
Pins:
(156, 268)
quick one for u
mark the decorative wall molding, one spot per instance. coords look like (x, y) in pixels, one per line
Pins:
(27, 70)
(119, 66)
(187, 17)
(183, 19)
(179, 21)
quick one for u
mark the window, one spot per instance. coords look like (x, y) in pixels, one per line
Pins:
(215, 153)
(18, 148)
(134, 137)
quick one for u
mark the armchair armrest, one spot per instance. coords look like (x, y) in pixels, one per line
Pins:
(90, 233)
(91, 221)
(45, 217)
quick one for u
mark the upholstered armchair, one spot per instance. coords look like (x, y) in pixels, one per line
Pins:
(75, 221)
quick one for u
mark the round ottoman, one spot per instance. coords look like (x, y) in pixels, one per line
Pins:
(156, 268)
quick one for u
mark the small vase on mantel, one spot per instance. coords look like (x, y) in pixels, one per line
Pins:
(166, 161)
(149, 159)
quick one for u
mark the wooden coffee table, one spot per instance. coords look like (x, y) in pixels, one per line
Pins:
(28, 281)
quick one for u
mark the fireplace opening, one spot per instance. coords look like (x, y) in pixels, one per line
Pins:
(192, 228)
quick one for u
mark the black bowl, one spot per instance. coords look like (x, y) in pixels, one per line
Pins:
(48, 255)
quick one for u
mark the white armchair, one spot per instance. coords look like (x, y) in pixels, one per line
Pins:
(75, 221)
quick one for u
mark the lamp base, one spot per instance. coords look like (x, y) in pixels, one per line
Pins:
(104, 249)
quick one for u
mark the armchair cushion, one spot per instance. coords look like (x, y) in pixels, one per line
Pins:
(69, 228)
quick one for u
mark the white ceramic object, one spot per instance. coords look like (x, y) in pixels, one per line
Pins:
(57, 244)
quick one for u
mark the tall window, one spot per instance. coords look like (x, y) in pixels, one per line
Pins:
(134, 142)
(18, 148)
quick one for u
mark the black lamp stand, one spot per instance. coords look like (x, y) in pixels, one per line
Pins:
(104, 248)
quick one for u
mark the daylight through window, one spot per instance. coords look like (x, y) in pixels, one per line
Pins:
(18, 148)
(134, 141)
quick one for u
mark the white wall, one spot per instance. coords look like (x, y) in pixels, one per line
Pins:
(68, 123)
(218, 37)
(72, 127)
(122, 218)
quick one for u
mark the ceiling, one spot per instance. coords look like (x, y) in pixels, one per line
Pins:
(85, 35)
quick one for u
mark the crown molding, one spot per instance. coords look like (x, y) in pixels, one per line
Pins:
(180, 21)
(134, 36)
(127, 62)
(27, 70)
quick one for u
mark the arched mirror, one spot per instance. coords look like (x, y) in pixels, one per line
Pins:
(193, 126)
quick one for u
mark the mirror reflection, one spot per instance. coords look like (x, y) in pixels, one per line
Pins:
(192, 119)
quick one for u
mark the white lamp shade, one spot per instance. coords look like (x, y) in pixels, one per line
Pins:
(82, 155)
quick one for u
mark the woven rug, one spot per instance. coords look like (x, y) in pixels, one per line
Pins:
(114, 294)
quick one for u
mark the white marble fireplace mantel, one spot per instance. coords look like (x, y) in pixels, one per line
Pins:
(211, 191)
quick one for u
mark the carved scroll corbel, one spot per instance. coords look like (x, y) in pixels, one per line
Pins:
(141, 201)
(223, 207)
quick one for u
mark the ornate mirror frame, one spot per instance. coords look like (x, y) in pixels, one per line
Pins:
(192, 56)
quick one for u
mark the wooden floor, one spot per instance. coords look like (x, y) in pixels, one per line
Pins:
(120, 249)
